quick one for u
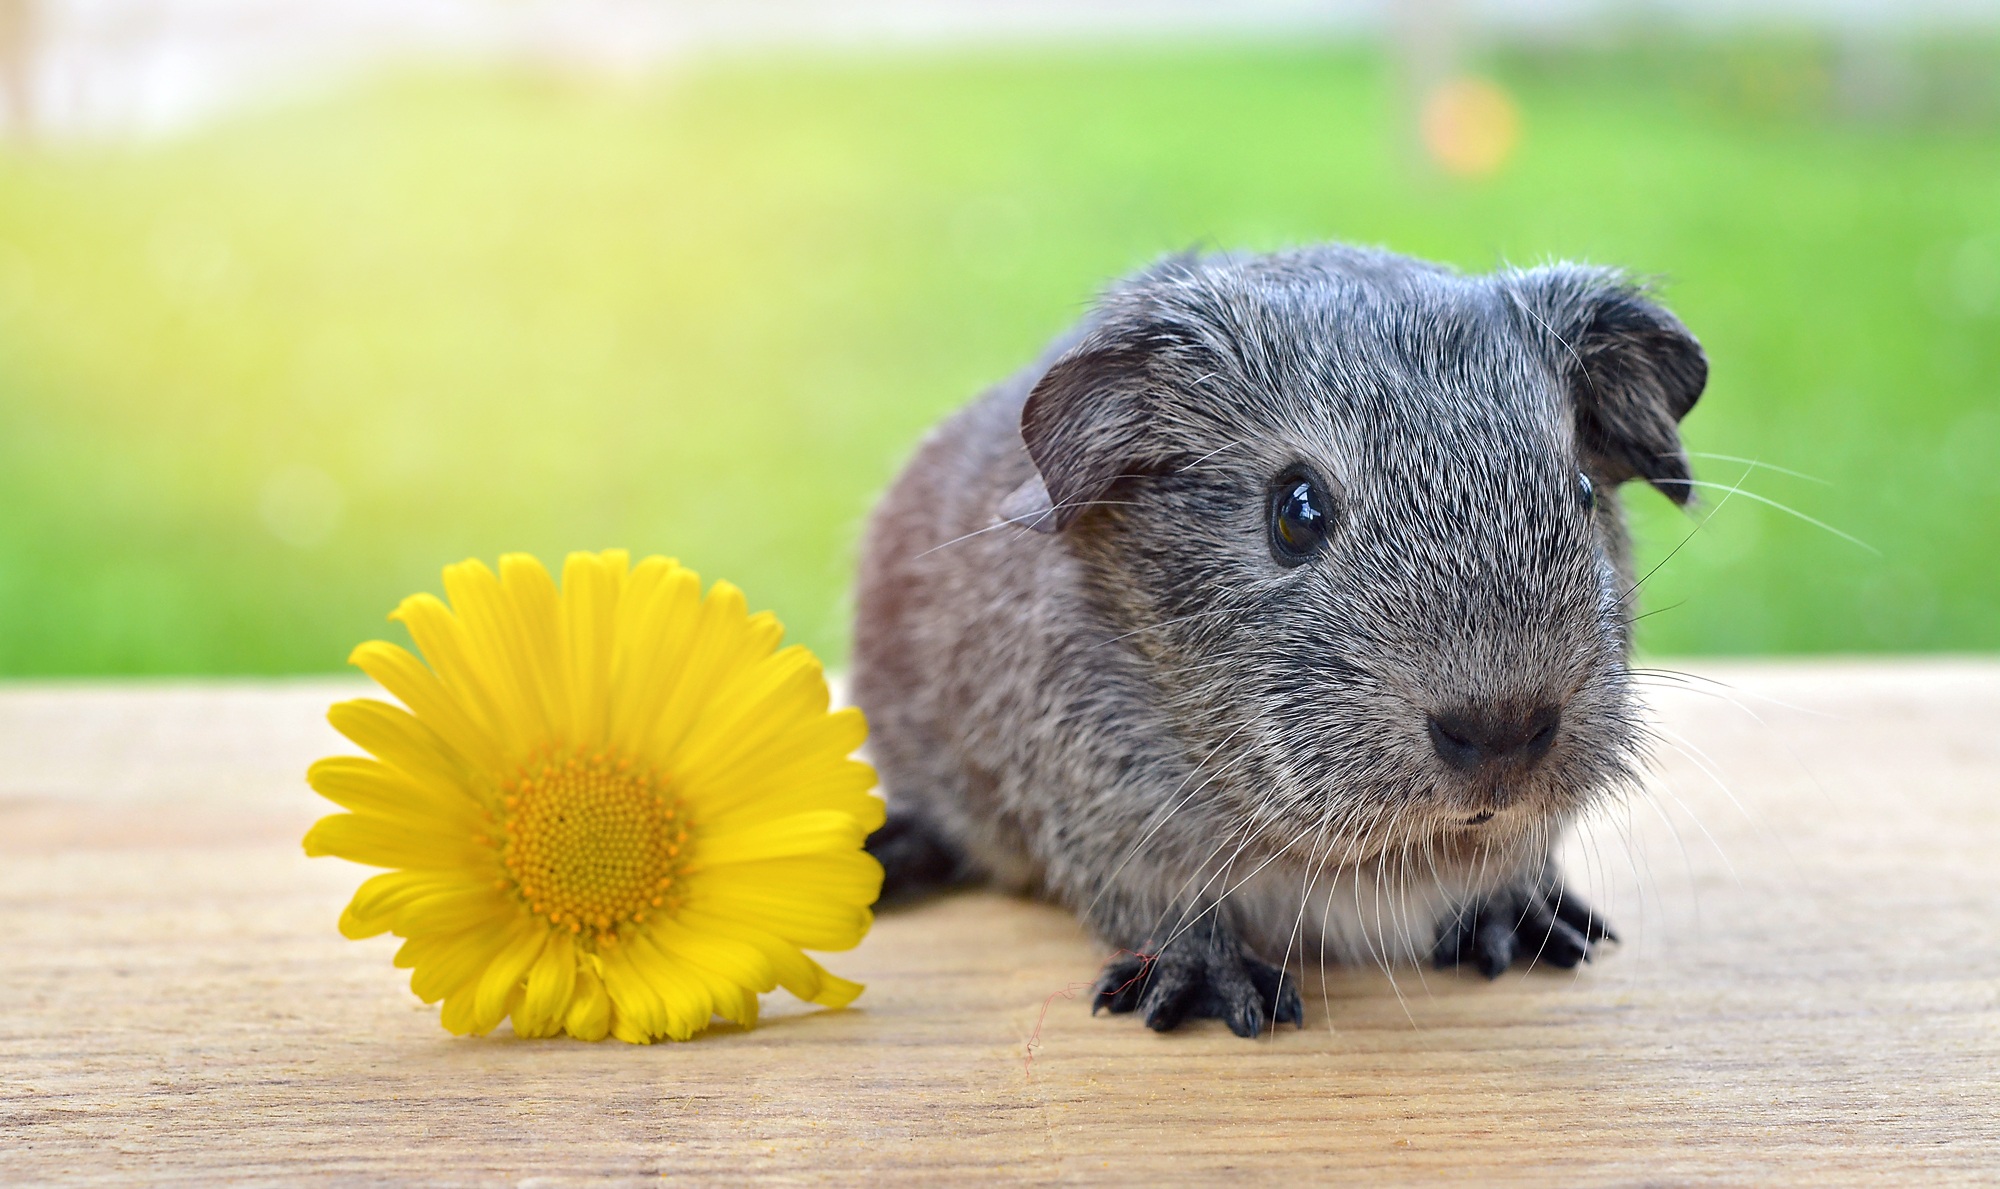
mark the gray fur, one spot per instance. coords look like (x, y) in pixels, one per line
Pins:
(1138, 712)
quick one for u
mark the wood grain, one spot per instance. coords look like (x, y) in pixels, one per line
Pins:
(1809, 991)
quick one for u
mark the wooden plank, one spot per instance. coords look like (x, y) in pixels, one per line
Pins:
(1809, 991)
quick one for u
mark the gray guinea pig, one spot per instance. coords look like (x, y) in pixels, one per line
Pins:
(1280, 613)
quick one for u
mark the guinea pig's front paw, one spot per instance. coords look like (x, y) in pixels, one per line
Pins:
(1221, 983)
(1539, 924)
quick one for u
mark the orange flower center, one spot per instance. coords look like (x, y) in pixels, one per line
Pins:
(592, 843)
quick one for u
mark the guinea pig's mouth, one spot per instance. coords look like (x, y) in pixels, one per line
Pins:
(1440, 832)
(1487, 813)
(1486, 821)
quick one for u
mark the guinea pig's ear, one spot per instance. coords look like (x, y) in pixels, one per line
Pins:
(1082, 425)
(1634, 371)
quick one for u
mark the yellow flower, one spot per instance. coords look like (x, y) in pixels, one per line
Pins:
(614, 809)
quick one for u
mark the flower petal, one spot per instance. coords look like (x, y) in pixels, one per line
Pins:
(505, 973)
(717, 632)
(688, 994)
(380, 897)
(795, 972)
(818, 903)
(531, 615)
(550, 984)
(479, 609)
(835, 991)
(452, 654)
(625, 1029)
(443, 965)
(591, 589)
(455, 911)
(761, 633)
(638, 1006)
(792, 766)
(812, 832)
(589, 1014)
(656, 633)
(822, 783)
(379, 842)
(373, 788)
(734, 961)
(458, 1014)
(402, 741)
(419, 689)
(755, 708)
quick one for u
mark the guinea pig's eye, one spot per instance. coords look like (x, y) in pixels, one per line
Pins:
(1299, 523)
(1586, 494)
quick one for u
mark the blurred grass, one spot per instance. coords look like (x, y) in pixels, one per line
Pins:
(258, 384)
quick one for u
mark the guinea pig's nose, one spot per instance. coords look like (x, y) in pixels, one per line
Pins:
(1471, 736)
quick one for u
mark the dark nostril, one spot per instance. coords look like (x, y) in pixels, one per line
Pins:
(1544, 721)
(1453, 742)
(1471, 736)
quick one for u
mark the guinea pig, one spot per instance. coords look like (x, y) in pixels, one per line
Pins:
(1282, 609)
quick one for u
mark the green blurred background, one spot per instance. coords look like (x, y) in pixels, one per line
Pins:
(261, 379)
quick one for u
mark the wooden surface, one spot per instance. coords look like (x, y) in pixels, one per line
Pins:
(1809, 991)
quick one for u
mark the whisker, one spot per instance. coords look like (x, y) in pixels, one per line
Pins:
(1229, 888)
(1785, 508)
(1780, 702)
(1382, 955)
(1173, 806)
(1761, 465)
(1655, 611)
(1012, 521)
(1212, 453)
(1167, 623)
(1675, 551)
(1318, 866)
(1187, 901)
(1687, 858)
(1702, 763)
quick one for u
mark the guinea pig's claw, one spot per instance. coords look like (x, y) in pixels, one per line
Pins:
(1119, 986)
(1541, 925)
(1221, 983)
(1276, 988)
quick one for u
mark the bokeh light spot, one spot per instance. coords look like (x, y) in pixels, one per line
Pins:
(1470, 127)
(301, 506)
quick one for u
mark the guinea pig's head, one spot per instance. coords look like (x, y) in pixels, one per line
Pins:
(1356, 518)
